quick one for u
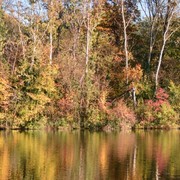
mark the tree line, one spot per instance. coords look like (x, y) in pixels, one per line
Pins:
(89, 63)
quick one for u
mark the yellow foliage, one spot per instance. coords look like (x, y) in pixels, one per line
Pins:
(4, 95)
(41, 98)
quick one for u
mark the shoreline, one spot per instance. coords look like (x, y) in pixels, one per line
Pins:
(89, 129)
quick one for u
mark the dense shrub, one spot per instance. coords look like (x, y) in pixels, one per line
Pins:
(158, 112)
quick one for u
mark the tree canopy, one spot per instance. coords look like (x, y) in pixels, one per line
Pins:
(89, 64)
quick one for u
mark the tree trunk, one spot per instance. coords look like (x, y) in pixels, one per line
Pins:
(83, 80)
(168, 18)
(34, 50)
(87, 44)
(125, 38)
(151, 45)
(134, 97)
(159, 64)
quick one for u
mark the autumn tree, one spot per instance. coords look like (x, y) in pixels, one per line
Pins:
(5, 85)
(168, 30)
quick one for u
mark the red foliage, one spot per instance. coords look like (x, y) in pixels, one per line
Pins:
(161, 159)
(161, 98)
(121, 111)
(161, 95)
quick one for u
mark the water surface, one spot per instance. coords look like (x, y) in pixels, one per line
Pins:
(89, 155)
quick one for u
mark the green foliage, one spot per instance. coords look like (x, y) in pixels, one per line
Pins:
(35, 88)
(71, 90)
(3, 32)
(144, 89)
(167, 116)
(5, 94)
(175, 96)
(158, 112)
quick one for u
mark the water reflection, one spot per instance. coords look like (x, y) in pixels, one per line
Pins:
(86, 155)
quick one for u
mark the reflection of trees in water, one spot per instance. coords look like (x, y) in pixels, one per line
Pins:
(85, 155)
(82, 157)
(122, 157)
(156, 149)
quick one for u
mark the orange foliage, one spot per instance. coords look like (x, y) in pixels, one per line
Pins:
(119, 57)
(134, 74)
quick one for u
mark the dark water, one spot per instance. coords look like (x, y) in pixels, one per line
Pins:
(90, 156)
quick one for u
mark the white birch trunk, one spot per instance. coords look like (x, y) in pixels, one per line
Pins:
(159, 63)
(125, 38)
(170, 12)
(87, 43)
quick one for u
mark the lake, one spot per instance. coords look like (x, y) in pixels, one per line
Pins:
(84, 155)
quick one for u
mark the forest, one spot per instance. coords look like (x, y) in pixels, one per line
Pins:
(96, 64)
